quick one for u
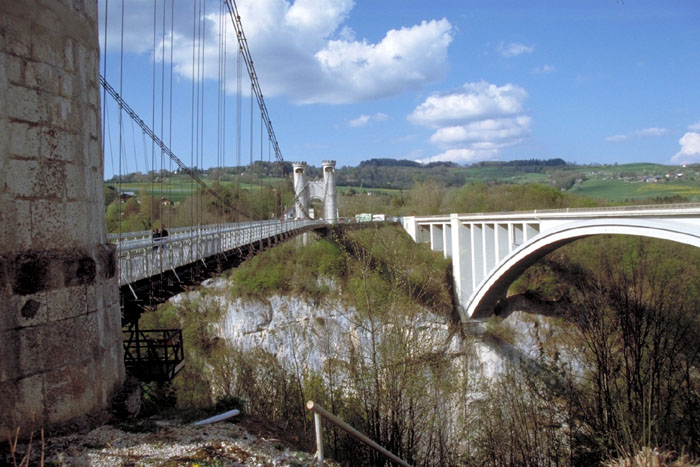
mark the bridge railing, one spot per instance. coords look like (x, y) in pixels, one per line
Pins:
(140, 258)
(670, 209)
(179, 231)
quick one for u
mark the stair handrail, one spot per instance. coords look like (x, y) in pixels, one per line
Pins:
(321, 412)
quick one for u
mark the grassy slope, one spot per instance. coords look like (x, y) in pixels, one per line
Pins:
(618, 190)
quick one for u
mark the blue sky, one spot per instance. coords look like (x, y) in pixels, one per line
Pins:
(587, 81)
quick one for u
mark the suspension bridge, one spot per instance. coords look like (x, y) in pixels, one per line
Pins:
(181, 106)
(219, 220)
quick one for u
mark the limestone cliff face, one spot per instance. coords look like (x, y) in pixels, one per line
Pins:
(303, 335)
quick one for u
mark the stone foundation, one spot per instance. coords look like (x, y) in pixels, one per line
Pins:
(60, 326)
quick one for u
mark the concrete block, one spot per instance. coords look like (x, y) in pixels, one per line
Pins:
(50, 181)
(21, 176)
(26, 408)
(24, 140)
(20, 227)
(65, 85)
(9, 364)
(62, 114)
(47, 48)
(67, 302)
(49, 19)
(68, 56)
(32, 357)
(57, 144)
(75, 182)
(41, 75)
(16, 41)
(71, 391)
(63, 224)
(24, 104)
(71, 340)
(52, 224)
(13, 69)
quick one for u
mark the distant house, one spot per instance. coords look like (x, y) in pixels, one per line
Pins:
(125, 196)
(165, 201)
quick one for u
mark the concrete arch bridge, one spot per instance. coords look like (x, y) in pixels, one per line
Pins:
(490, 250)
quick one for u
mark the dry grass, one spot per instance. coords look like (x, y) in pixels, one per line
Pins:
(648, 457)
(24, 460)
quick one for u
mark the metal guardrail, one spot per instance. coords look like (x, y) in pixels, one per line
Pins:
(692, 208)
(321, 412)
(142, 257)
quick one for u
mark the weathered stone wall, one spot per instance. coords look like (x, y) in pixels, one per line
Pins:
(60, 330)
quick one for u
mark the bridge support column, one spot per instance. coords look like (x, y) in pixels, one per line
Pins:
(330, 208)
(461, 262)
(60, 325)
(301, 192)
(436, 237)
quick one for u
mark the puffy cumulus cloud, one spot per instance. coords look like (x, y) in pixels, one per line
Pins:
(505, 130)
(690, 149)
(474, 122)
(404, 59)
(364, 120)
(513, 49)
(473, 101)
(301, 48)
(652, 131)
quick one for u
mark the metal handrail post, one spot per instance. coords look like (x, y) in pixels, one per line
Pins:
(319, 438)
(320, 411)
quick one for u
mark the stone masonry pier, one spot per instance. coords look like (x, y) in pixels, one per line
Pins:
(60, 331)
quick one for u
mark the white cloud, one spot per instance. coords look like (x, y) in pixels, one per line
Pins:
(301, 48)
(544, 69)
(404, 59)
(474, 101)
(363, 119)
(690, 149)
(695, 126)
(617, 138)
(503, 130)
(513, 49)
(652, 131)
(474, 122)
(452, 155)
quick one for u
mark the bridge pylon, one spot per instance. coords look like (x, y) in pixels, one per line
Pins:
(323, 190)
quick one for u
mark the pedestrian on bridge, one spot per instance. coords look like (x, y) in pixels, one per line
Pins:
(156, 238)
(163, 234)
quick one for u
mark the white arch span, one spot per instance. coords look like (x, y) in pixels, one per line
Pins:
(490, 250)
(495, 286)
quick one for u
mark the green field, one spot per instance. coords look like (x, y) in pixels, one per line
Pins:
(618, 190)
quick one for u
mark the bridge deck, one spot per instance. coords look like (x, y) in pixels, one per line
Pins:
(141, 256)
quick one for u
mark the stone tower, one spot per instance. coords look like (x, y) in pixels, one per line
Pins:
(60, 326)
(330, 208)
(323, 190)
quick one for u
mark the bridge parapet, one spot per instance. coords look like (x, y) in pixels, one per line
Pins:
(142, 257)
(490, 250)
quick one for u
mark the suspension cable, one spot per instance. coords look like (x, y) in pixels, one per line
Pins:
(124, 106)
(243, 46)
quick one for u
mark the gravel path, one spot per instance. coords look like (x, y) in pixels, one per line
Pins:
(167, 443)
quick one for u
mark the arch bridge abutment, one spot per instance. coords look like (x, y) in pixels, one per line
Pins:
(490, 251)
